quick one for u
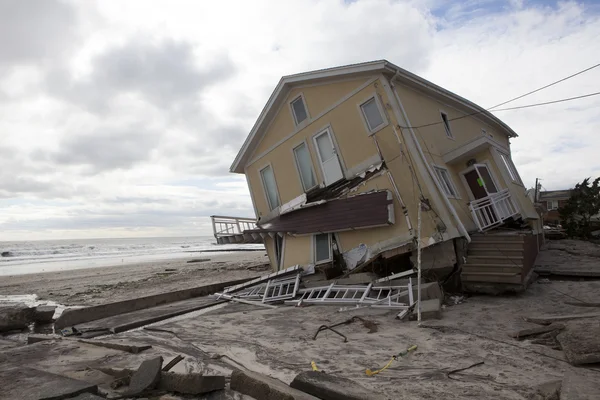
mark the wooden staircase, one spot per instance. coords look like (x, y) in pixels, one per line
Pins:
(504, 259)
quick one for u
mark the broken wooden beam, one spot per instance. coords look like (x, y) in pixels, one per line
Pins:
(520, 334)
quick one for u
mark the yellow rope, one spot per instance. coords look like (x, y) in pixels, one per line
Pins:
(371, 373)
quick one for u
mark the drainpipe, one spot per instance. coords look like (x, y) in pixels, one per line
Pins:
(461, 227)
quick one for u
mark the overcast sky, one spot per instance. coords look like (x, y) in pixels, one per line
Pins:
(121, 118)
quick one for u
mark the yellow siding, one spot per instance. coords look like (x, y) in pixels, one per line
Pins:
(298, 250)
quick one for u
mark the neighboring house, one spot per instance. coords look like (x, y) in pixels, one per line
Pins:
(551, 201)
(339, 159)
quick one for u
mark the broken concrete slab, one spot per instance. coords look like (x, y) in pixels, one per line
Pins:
(37, 337)
(87, 396)
(44, 314)
(146, 377)
(331, 387)
(75, 316)
(15, 317)
(548, 319)
(430, 309)
(547, 391)
(130, 348)
(578, 387)
(581, 342)
(192, 383)
(31, 384)
(520, 334)
(262, 387)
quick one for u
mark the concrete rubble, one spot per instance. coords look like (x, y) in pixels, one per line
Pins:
(331, 387)
(44, 314)
(40, 385)
(262, 387)
(581, 341)
(146, 377)
(15, 317)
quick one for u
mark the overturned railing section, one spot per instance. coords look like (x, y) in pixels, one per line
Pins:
(231, 230)
(493, 210)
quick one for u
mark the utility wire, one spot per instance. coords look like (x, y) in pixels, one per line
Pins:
(549, 102)
(505, 109)
(518, 97)
(544, 87)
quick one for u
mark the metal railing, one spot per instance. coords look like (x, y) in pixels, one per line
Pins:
(229, 226)
(493, 210)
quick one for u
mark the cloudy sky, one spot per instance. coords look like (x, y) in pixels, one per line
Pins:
(121, 118)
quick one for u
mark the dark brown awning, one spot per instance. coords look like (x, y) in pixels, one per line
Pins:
(357, 212)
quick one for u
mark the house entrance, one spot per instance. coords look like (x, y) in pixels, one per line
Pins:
(480, 181)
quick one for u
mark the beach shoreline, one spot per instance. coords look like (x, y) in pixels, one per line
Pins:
(102, 284)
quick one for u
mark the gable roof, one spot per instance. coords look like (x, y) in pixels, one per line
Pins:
(354, 70)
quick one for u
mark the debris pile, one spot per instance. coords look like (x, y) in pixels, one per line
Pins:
(394, 292)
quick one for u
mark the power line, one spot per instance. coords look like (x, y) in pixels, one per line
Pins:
(516, 98)
(549, 102)
(505, 109)
(544, 87)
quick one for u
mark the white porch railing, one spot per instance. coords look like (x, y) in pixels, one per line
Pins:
(493, 210)
(229, 226)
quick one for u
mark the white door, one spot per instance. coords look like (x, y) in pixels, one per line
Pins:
(330, 163)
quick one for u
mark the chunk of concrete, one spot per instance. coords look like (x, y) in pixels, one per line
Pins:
(430, 309)
(130, 348)
(190, 383)
(262, 387)
(146, 377)
(581, 342)
(331, 387)
(15, 316)
(32, 384)
(35, 338)
(547, 391)
(44, 314)
(578, 387)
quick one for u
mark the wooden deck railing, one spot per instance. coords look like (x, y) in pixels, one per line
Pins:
(229, 226)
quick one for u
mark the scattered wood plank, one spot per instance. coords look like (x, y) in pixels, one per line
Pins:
(523, 333)
(548, 319)
(198, 260)
(130, 348)
(173, 363)
(582, 304)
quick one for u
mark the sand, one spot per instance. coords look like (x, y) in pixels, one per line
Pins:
(92, 286)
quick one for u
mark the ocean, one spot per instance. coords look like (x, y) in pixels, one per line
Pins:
(27, 257)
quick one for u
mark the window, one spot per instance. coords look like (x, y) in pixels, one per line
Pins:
(372, 114)
(322, 248)
(447, 185)
(510, 167)
(268, 180)
(304, 165)
(299, 110)
(447, 125)
(552, 205)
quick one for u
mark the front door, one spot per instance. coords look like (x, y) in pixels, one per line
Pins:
(480, 181)
(330, 163)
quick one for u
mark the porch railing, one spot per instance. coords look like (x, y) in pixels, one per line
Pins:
(493, 210)
(229, 226)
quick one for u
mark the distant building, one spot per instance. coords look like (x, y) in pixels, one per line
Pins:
(551, 201)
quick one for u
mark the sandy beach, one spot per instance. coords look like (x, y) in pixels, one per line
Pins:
(91, 286)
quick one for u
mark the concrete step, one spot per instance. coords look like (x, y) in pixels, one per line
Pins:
(495, 260)
(494, 277)
(496, 244)
(487, 268)
(490, 251)
(497, 238)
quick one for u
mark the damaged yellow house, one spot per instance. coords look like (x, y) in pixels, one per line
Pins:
(339, 160)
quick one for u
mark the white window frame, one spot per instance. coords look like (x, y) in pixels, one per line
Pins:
(312, 167)
(450, 189)
(304, 121)
(509, 165)
(373, 130)
(314, 249)
(446, 124)
(260, 175)
(551, 207)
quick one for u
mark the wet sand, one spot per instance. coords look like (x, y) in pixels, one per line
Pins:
(91, 286)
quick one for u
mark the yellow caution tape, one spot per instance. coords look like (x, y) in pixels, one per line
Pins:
(371, 373)
(314, 366)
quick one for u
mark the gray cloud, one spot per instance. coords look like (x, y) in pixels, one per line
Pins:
(34, 30)
(107, 148)
(163, 74)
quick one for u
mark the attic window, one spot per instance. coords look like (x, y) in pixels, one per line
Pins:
(299, 110)
(447, 125)
(372, 114)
